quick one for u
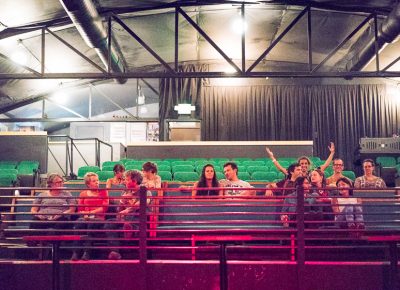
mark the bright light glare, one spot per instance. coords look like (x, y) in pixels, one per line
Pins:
(59, 97)
(239, 26)
(19, 57)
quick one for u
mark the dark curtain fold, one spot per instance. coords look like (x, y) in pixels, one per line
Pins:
(338, 113)
(174, 91)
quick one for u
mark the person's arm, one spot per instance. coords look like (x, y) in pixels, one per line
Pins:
(330, 157)
(158, 181)
(357, 183)
(194, 189)
(275, 162)
(109, 183)
(268, 191)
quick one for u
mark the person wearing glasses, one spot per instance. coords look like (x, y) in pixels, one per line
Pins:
(52, 207)
(338, 166)
(369, 180)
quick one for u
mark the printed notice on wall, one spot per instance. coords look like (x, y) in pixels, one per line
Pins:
(118, 133)
(137, 132)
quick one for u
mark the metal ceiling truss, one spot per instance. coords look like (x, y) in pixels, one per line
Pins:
(242, 71)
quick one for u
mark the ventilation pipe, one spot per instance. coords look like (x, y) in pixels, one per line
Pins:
(387, 32)
(87, 20)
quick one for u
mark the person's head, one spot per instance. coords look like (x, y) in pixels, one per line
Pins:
(55, 180)
(91, 180)
(133, 179)
(304, 182)
(294, 171)
(208, 174)
(344, 185)
(338, 165)
(230, 170)
(149, 169)
(368, 166)
(318, 178)
(119, 170)
(305, 163)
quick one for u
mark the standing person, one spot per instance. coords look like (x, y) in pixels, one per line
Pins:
(118, 180)
(54, 206)
(338, 167)
(232, 181)
(92, 206)
(127, 212)
(150, 177)
(369, 180)
(348, 210)
(207, 180)
(304, 161)
(294, 171)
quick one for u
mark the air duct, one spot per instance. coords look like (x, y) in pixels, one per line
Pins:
(388, 32)
(87, 20)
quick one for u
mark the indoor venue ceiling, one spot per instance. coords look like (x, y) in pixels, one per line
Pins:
(65, 48)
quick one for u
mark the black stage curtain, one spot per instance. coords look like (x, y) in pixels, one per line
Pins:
(322, 113)
(174, 91)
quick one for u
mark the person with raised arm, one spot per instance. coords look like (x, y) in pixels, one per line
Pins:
(304, 161)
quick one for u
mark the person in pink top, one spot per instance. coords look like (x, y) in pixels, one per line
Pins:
(92, 207)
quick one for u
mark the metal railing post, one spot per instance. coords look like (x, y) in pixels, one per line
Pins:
(300, 238)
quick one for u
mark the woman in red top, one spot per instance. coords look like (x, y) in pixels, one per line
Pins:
(92, 206)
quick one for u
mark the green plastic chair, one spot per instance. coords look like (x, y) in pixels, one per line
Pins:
(244, 175)
(182, 168)
(349, 174)
(8, 179)
(252, 169)
(186, 176)
(134, 166)
(163, 167)
(108, 167)
(110, 163)
(182, 162)
(220, 175)
(386, 161)
(85, 169)
(264, 176)
(165, 175)
(104, 175)
(253, 163)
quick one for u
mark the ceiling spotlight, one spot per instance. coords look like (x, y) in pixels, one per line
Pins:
(239, 26)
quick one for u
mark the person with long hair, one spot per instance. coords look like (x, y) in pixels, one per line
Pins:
(349, 213)
(369, 180)
(208, 181)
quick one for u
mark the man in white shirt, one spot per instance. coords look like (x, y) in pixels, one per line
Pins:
(232, 181)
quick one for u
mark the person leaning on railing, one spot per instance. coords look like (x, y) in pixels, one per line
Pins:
(92, 206)
(52, 207)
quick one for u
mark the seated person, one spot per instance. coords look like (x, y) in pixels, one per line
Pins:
(53, 206)
(232, 181)
(208, 179)
(369, 180)
(150, 177)
(92, 206)
(118, 180)
(294, 171)
(348, 210)
(127, 212)
(318, 186)
(311, 209)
